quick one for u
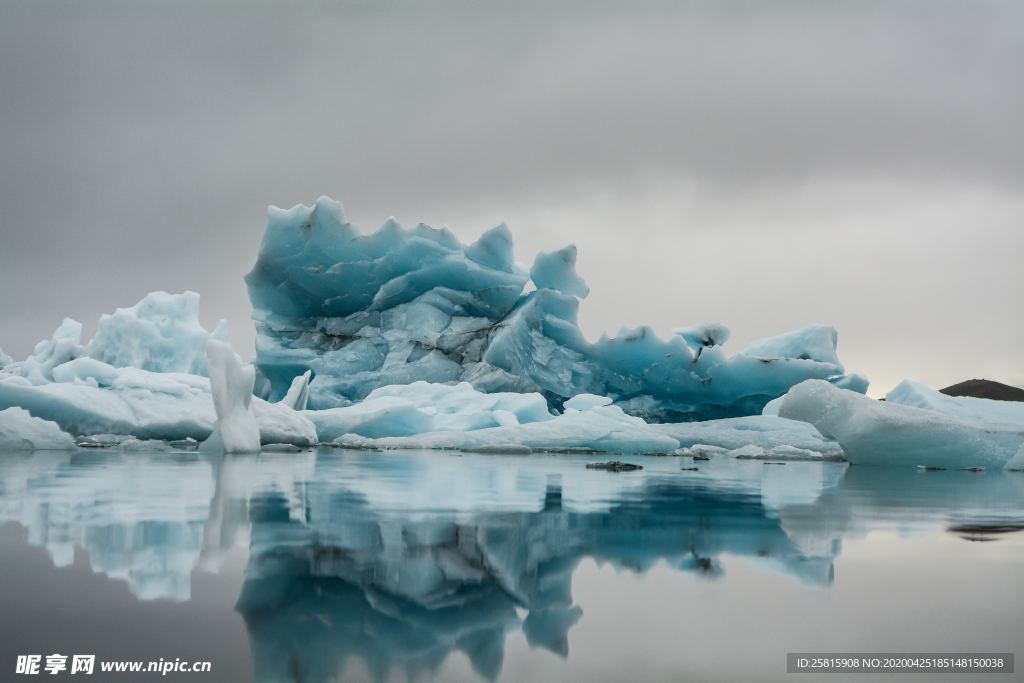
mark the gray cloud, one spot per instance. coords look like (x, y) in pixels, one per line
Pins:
(768, 165)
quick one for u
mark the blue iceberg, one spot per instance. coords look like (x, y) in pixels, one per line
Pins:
(401, 305)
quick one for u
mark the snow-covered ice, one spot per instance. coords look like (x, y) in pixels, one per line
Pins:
(406, 304)
(881, 433)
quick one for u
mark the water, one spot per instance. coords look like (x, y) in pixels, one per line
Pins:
(458, 567)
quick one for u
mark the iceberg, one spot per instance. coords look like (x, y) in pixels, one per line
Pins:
(67, 382)
(19, 431)
(231, 386)
(874, 432)
(402, 305)
(161, 333)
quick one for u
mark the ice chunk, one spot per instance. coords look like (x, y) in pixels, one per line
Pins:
(298, 392)
(64, 345)
(420, 407)
(423, 415)
(557, 270)
(586, 402)
(143, 404)
(160, 333)
(236, 430)
(881, 433)
(909, 393)
(772, 407)
(605, 429)
(5, 360)
(89, 370)
(135, 378)
(768, 432)
(19, 431)
(705, 334)
(852, 381)
(816, 342)
(372, 417)
(407, 304)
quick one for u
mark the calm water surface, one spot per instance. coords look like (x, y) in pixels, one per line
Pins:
(341, 565)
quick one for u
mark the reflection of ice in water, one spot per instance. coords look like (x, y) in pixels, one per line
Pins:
(404, 558)
(139, 517)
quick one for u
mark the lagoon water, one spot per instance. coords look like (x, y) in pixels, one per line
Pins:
(350, 565)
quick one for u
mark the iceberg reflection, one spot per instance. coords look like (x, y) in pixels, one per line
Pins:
(399, 560)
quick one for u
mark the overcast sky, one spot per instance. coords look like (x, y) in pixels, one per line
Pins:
(766, 165)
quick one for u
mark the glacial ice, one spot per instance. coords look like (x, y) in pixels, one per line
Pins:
(145, 405)
(874, 432)
(65, 344)
(604, 428)
(425, 415)
(298, 392)
(421, 407)
(407, 304)
(161, 333)
(231, 383)
(910, 393)
(62, 382)
(19, 431)
(774, 436)
(557, 270)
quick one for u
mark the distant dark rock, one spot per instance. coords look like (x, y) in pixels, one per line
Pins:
(985, 388)
(614, 466)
